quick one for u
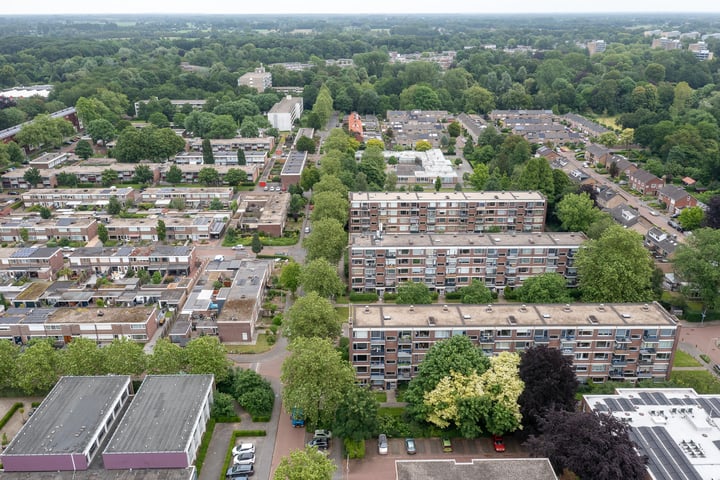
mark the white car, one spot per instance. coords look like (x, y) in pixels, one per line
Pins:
(243, 448)
(239, 247)
(244, 458)
(654, 213)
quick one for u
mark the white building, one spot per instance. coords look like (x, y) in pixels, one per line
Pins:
(258, 79)
(284, 113)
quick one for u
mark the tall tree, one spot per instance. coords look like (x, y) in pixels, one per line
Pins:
(207, 151)
(356, 416)
(174, 175)
(548, 287)
(290, 276)
(83, 149)
(207, 355)
(413, 293)
(696, 263)
(38, 368)
(615, 268)
(208, 176)
(142, 174)
(475, 293)
(327, 240)
(32, 176)
(102, 233)
(330, 205)
(315, 379)
(691, 218)
(9, 353)
(550, 384)
(125, 357)
(308, 464)
(101, 130)
(161, 230)
(82, 357)
(321, 276)
(312, 316)
(241, 157)
(167, 358)
(256, 244)
(583, 442)
(577, 212)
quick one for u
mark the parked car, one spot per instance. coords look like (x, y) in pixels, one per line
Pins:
(238, 247)
(327, 434)
(297, 418)
(410, 446)
(717, 369)
(245, 458)
(447, 445)
(654, 213)
(319, 443)
(498, 443)
(307, 229)
(239, 472)
(243, 448)
(382, 444)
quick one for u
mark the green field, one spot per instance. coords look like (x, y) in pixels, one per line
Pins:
(683, 359)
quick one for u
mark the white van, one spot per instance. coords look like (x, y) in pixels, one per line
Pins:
(219, 258)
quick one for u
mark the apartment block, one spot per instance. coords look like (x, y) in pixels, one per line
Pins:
(33, 262)
(77, 197)
(447, 212)
(283, 114)
(447, 262)
(225, 145)
(49, 160)
(178, 228)
(619, 342)
(191, 172)
(193, 197)
(292, 169)
(258, 79)
(75, 229)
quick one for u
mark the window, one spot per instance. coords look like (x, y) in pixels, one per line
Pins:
(603, 344)
(667, 332)
(598, 368)
(422, 345)
(360, 358)
(665, 344)
(584, 344)
(360, 334)
(582, 356)
(502, 345)
(360, 346)
(442, 334)
(504, 333)
(601, 356)
(585, 333)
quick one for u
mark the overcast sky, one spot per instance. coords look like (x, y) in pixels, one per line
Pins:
(363, 6)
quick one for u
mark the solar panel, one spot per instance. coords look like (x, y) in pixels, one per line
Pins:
(716, 403)
(626, 405)
(647, 398)
(637, 401)
(665, 458)
(613, 405)
(660, 398)
(64, 222)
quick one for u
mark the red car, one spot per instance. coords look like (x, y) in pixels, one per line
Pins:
(498, 443)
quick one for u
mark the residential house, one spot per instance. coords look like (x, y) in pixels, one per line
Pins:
(625, 215)
(191, 197)
(676, 198)
(661, 244)
(32, 262)
(597, 154)
(355, 126)
(75, 229)
(645, 182)
(263, 212)
(77, 197)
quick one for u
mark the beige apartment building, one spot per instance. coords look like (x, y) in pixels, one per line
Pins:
(447, 212)
(448, 262)
(619, 342)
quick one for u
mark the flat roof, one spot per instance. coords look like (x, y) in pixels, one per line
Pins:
(445, 196)
(677, 428)
(590, 315)
(294, 163)
(74, 315)
(495, 469)
(102, 474)
(162, 416)
(468, 240)
(69, 416)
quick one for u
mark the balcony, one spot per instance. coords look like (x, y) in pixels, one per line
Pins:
(622, 339)
(377, 377)
(619, 363)
(541, 339)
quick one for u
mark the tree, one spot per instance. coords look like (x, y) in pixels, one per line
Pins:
(547, 287)
(109, 177)
(114, 206)
(413, 293)
(423, 146)
(577, 212)
(372, 165)
(537, 175)
(312, 316)
(161, 230)
(102, 233)
(480, 176)
(156, 277)
(696, 262)
(297, 202)
(308, 464)
(208, 176)
(305, 144)
(37, 367)
(174, 175)
(222, 406)
(234, 176)
(454, 129)
(582, 442)
(309, 177)
(330, 183)
(142, 174)
(455, 354)
(15, 153)
(207, 355)
(32, 177)
(241, 157)
(83, 149)
(478, 100)
(321, 276)
(356, 416)
(712, 215)
(615, 268)
(476, 293)
(330, 205)
(9, 353)
(691, 218)
(315, 379)
(82, 357)
(438, 184)
(167, 358)
(207, 152)
(125, 357)
(100, 130)
(44, 131)
(550, 384)
(290, 276)
(327, 240)
(253, 392)
(159, 120)
(24, 235)
(256, 245)
(45, 213)
(215, 204)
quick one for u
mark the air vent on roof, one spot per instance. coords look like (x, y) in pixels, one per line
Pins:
(445, 308)
(601, 307)
(489, 308)
(593, 319)
(512, 320)
(367, 309)
(386, 317)
(567, 308)
(546, 315)
(626, 315)
(412, 308)
(523, 308)
(646, 307)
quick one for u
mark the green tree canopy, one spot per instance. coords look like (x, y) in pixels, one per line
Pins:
(330, 205)
(290, 276)
(476, 293)
(548, 287)
(696, 262)
(207, 355)
(167, 358)
(308, 464)
(356, 416)
(413, 293)
(327, 240)
(312, 316)
(577, 212)
(322, 277)
(37, 368)
(82, 357)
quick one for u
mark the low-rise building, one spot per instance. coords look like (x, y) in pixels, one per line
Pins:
(49, 160)
(620, 342)
(584, 125)
(68, 427)
(77, 197)
(241, 304)
(675, 428)
(422, 168)
(675, 198)
(645, 182)
(226, 145)
(164, 425)
(178, 228)
(447, 262)
(75, 229)
(661, 244)
(32, 262)
(355, 126)
(293, 168)
(473, 124)
(625, 215)
(263, 212)
(191, 172)
(597, 154)
(283, 114)
(166, 259)
(192, 197)
(447, 212)
(258, 79)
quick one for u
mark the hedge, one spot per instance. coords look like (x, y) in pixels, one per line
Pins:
(363, 297)
(204, 445)
(6, 418)
(354, 449)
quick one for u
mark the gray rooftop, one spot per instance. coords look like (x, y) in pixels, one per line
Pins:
(295, 163)
(505, 469)
(102, 474)
(69, 416)
(162, 415)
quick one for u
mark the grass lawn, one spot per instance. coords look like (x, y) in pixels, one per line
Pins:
(609, 121)
(701, 380)
(392, 411)
(261, 346)
(342, 313)
(380, 396)
(683, 359)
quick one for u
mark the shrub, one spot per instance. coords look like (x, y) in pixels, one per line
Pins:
(363, 297)
(202, 450)
(705, 358)
(223, 406)
(6, 418)
(354, 449)
(453, 296)
(390, 297)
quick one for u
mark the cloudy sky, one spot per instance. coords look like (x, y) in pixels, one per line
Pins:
(365, 6)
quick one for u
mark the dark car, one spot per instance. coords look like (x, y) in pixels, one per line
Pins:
(319, 443)
(238, 472)
(410, 446)
(498, 443)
